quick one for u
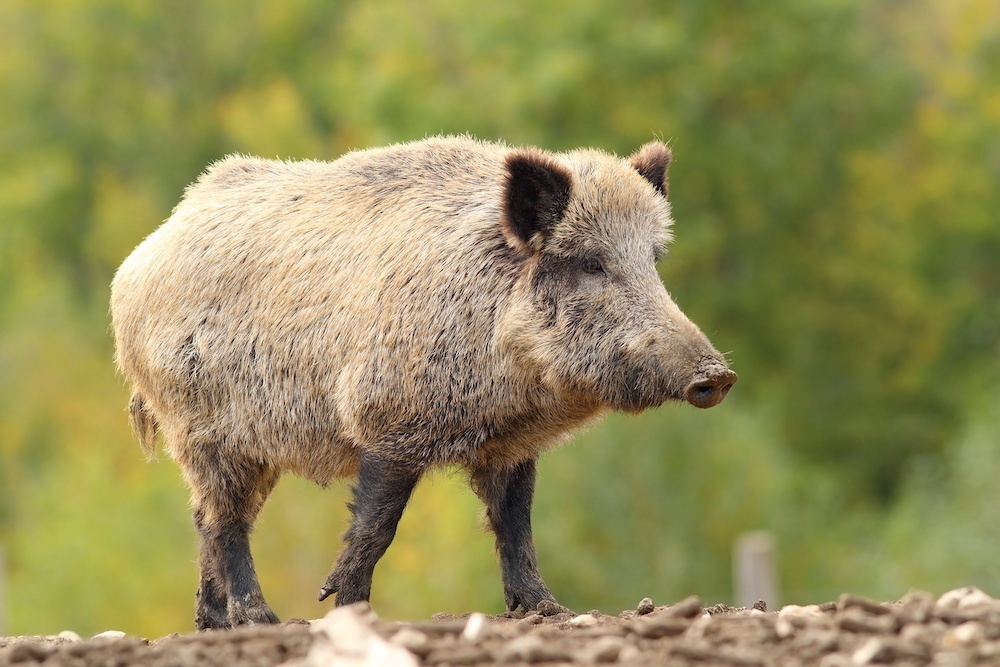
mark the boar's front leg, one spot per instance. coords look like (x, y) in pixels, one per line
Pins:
(507, 492)
(380, 495)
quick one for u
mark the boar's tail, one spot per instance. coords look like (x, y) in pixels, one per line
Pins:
(143, 423)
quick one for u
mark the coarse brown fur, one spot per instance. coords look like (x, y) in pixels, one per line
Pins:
(447, 301)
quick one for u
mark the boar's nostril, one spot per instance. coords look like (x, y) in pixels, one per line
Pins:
(708, 392)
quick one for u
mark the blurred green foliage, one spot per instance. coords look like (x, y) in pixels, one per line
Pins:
(835, 186)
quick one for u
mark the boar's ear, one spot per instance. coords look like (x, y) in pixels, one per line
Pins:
(536, 194)
(651, 161)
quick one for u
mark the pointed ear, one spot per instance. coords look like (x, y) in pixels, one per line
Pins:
(536, 194)
(651, 161)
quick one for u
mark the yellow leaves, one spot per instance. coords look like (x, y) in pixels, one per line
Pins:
(56, 374)
(124, 212)
(269, 121)
(442, 558)
(953, 48)
(34, 180)
(959, 83)
(969, 23)
(990, 100)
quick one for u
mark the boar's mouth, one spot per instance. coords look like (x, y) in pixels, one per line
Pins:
(639, 389)
(708, 386)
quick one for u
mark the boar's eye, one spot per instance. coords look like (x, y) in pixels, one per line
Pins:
(593, 265)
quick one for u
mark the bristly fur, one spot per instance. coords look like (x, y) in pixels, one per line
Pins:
(444, 301)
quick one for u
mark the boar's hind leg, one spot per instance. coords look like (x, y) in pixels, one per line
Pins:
(507, 493)
(228, 497)
(211, 610)
(380, 495)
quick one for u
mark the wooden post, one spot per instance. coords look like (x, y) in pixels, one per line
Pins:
(754, 570)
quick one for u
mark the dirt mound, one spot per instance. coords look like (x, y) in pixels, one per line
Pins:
(961, 627)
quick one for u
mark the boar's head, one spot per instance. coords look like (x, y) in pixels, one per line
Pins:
(589, 312)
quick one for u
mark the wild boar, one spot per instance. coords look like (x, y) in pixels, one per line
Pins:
(447, 301)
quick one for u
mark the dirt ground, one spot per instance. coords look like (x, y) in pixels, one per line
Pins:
(961, 627)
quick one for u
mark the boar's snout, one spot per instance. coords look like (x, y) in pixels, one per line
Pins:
(710, 387)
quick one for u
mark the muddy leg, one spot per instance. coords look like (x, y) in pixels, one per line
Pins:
(211, 600)
(507, 493)
(380, 495)
(226, 505)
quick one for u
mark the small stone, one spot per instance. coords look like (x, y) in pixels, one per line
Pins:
(629, 654)
(914, 633)
(795, 611)
(530, 648)
(602, 650)
(713, 654)
(722, 608)
(914, 596)
(874, 650)
(345, 637)
(27, 652)
(989, 652)
(783, 629)
(522, 647)
(658, 626)
(449, 626)
(70, 636)
(412, 640)
(583, 621)
(835, 660)
(645, 606)
(968, 597)
(963, 635)
(442, 616)
(534, 618)
(475, 628)
(109, 634)
(915, 607)
(855, 620)
(848, 601)
(689, 607)
(696, 631)
(823, 641)
(458, 655)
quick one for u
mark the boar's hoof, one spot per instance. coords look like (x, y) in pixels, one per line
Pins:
(709, 392)
(211, 619)
(530, 598)
(252, 615)
(349, 593)
(549, 607)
